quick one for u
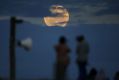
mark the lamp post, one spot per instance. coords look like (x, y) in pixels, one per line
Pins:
(12, 45)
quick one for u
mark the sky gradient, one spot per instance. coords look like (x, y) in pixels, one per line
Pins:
(97, 20)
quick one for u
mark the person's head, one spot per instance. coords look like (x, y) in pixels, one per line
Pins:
(116, 77)
(80, 38)
(93, 72)
(62, 40)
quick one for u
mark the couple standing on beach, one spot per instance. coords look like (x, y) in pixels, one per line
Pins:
(63, 60)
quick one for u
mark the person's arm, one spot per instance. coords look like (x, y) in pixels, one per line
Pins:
(87, 48)
(68, 49)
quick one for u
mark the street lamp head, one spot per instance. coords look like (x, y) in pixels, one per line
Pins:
(25, 43)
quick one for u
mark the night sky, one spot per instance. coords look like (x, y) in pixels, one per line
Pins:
(97, 20)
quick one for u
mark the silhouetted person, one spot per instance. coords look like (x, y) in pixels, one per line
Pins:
(92, 74)
(116, 77)
(82, 56)
(62, 58)
(101, 75)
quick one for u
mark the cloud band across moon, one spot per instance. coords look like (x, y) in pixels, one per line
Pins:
(81, 14)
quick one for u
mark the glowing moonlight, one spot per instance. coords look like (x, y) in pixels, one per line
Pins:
(61, 17)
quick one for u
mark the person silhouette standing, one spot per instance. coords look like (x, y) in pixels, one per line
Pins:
(92, 74)
(101, 75)
(116, 77)
(62, 59)
(82, 51)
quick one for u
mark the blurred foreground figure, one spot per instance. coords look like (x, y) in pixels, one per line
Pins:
(92, 74)
(101, 75)
(82, 56)
(62, 59)
(116, 77)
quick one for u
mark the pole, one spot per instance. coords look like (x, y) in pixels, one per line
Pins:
(12, 48)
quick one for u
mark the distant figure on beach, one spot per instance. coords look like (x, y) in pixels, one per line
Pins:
(82, 51)
(92, 74)
(101, 75)
(0, 78)
(62, 59)
(116, 77)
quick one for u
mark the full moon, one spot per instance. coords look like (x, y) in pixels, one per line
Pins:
(60, 18)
